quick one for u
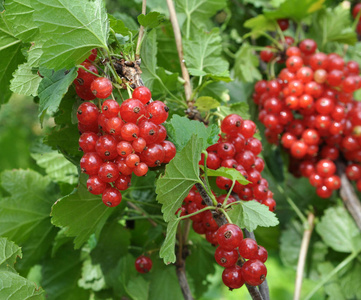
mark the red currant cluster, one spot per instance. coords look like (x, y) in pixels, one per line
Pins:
(253, 271)
(237, 148)
(143, 264)
(119, 140)
(310, 105)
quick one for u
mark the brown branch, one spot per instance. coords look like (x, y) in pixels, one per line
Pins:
(303, 254)
(348, 195)
(141, 31)
(178, 40)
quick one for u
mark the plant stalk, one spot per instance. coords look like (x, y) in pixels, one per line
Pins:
(303, 255)
(141, 31)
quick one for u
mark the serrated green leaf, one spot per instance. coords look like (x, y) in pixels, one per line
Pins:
(205, 103)
(118, 25)
(180, 130)
(197, 12)
(203, 54)
(294, 9)
(12, 285)
(240, 108)
(251, 214)
(81, 212)
(52, 89)
(332, 288)
(25, 214)
(151, 20)
(232, 174)
(167, 82)
(70, 29)
(10, 47)
(19, 15)
(26, 79)
(180, 175)
(333, 25)
(260, 24)
(350, 280)
(61, 273)
(58, 168)
(168, 247)
(339, 231)
(246, 63)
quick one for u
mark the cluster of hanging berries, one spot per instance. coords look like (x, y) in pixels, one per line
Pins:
(310, 107)
(119, 140)
(237, 148)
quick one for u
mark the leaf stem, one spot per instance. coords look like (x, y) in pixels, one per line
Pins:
(178, 40)
(226, 215)
(141, 31)
(197, 212)
(339, 267)
(293, 205)
(229, 192)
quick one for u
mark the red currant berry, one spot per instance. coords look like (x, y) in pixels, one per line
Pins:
(262, 254)
(110, 108)
(226, 258)
(106, 147)
(111, 197)
(96, 186)
(122, 182)
(143, 264)
(254, 272)
(141, 169)
(157, 112)
(90, 163)
(132, 110)
(229, 236)
(248, 248)
(87, 141)
(170, 151)
(87, 113)
(101, 87)
(153, 156)
(325, 168)
(232, 277)
(142, 93)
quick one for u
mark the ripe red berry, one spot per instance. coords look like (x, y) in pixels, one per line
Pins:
(141, 169)
(153, 156)
(229, 236)
(90, 163)
(101, 87)
(96, 186)
(325, 168)
(132, 110)
(170, 151)
(283, 24)
(226, 258)
(87, 113)
(122, 182)
(110, 108)
(254, 272)
(143, 264)
(106, 147)
(108, 172)
(262, 254)
(84, 78)
(248, 248)
(157, 112)
(111, 197)
(231, 124)
(87, 141)
(232, 277)
(142, 93)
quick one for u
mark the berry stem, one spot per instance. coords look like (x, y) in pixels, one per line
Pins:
(303, 255)
(226, 215)
(178, 40)
(141, 31)
(229, 192)
(86, 70)
(339, 267)
(197, 212)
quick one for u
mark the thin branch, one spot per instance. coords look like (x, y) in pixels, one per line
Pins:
(178, 40)
(303, 254)
(132, 205)
(141, 31)
(349, 196)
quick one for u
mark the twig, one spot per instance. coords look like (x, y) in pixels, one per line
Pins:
(178, 40)
(141, 31)
(263, 288)
(303, 254)
(132, 205)
(349, 196)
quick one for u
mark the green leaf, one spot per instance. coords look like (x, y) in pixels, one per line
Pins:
(25, 214)
(205, 103)
(138, 288)
(350, 280)
(260, 24)
(10, 47)
(52, 89)
(180, 130)
(198, 12)
(294, 9)
(57, 167)
(70, 29)
(19, 15)
(167, 250)
(338, 230)
(148, 53)
(251, 214)
(81, 213)
(333, 25)
(12, 285)
(240, 108)
(203, 53)
(60, 275)
(246, 64)
(91, 277)
(118, 25)
(180, 175)
(151, 20)
(332, 288)
(232, 174)
(26, 79)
